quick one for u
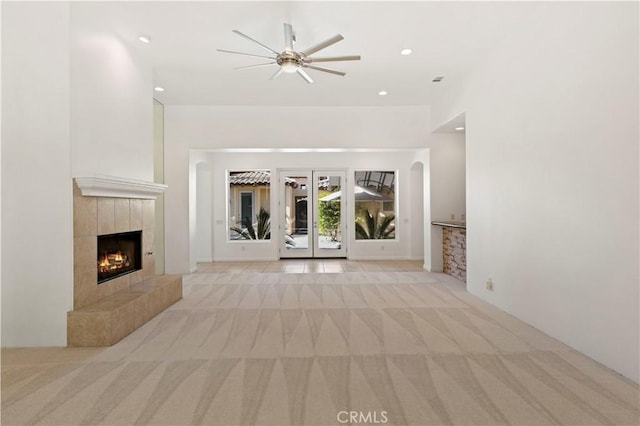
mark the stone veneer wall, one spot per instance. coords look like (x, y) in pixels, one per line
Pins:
(454, 252)
(93, 216)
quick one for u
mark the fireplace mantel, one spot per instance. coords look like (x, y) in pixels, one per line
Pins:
(110, 186)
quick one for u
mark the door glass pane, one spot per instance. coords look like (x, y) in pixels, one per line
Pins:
(246, 206)
(329, 214)
(296, 212)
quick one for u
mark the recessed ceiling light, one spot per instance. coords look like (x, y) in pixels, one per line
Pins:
(382, 93)
(158, 89)
(406, 52)
(144, 39)
(459, 128)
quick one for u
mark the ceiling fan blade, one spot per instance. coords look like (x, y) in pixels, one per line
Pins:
(304, 75)
(256, 42)
(276, 74)
(242, 53)
(288, 37)
(333, 59)
(324, 44)
(325, 70)
(255, 66)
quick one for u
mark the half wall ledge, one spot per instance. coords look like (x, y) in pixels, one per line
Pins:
(117, 187)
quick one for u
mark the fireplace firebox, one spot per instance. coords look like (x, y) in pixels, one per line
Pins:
(119, 254)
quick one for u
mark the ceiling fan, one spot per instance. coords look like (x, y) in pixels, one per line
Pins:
(290, 61)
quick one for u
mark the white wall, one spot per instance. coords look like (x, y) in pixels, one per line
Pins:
(213, 127)
(76, 101)
(296, 127)
(36, 181)
(448, 193)
(350, 161)
(111, 98)
(423, 157)
(552, 177)
(158, 177)
(1, 134)
(417, 210)
(204, 214)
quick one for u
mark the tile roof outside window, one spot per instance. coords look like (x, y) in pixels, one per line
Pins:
(250, 178)
(260, 177)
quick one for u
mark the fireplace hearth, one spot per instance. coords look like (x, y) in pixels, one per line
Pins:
(119, 254)
(115, 287)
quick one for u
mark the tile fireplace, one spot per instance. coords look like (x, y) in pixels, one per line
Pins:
(115, 288)
(98, 217)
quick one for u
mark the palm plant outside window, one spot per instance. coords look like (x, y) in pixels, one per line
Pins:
(375, 205)
(249, 205)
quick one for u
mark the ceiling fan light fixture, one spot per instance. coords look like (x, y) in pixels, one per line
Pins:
(290, 67)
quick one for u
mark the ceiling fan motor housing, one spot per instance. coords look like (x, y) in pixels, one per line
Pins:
(289, 61)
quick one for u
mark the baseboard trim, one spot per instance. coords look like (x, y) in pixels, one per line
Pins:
(377, 258)
(242, 259)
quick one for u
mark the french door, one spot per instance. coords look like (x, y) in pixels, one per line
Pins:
(312, 208)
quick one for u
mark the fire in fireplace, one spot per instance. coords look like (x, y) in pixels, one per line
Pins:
(119, 254)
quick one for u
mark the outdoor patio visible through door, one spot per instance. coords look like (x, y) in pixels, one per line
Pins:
(313, 207)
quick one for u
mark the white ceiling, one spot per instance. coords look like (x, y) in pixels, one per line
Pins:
(446, 37)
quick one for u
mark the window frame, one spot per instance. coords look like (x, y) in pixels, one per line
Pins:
(396, 221)
(232, 201)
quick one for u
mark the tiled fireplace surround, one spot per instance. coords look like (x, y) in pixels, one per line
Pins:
(93, 216)
(105, 313)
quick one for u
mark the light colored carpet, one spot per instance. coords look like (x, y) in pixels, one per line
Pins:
(277, 349)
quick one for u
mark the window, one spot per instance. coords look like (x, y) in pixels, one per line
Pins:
(375, 205)
(249, 205)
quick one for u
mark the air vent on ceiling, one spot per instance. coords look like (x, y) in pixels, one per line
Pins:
(437, 79)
